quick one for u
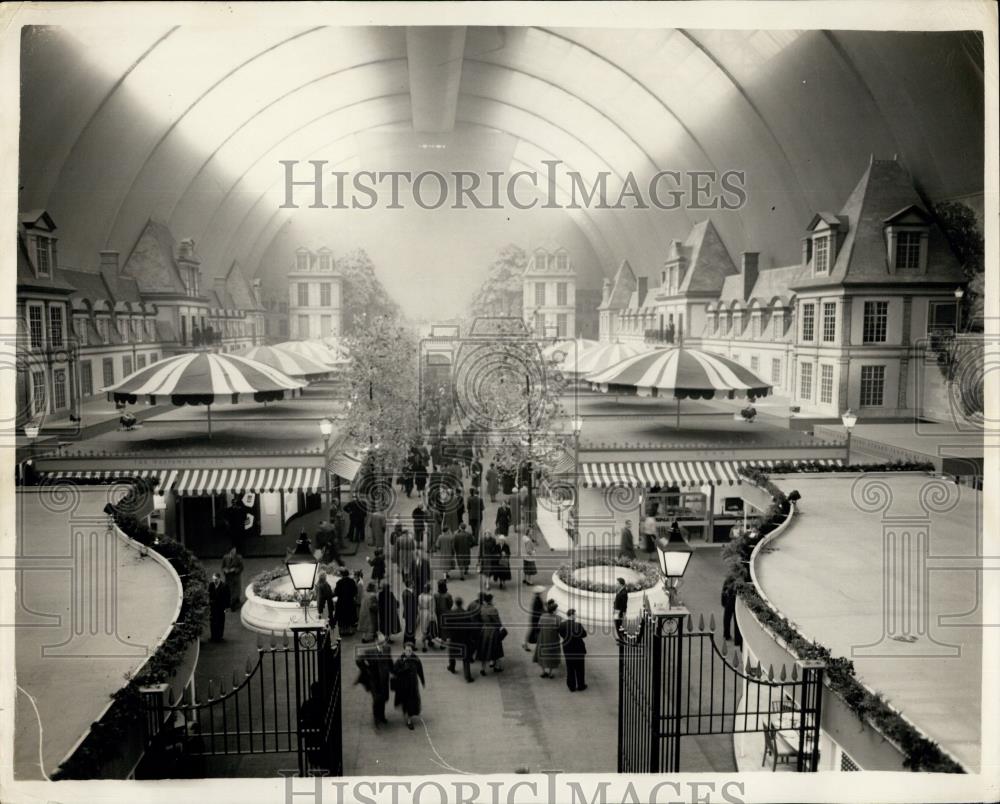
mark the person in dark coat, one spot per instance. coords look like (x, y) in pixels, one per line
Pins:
(503, 518)
(492, 482)
(445, 559)
(377, 563)
(409, 613)
(730, 627)
(421, 572)
(419, 523)
(442, 603)
(627, 548)
(475, 508)
(218, 602)
(547, 649)
(375, 664)
(388, 612)
(537, 609)
(405, 549)
(324, 597)
(620, 604)
(408, 675)
(458, 627)
(345, 603)
(476, 474)
(488, 558)
(420, 477)
(462, 545)
(356, 514)
(375, 527)
(491, 636)
(232, 571)
(574, 651)
(501, 564)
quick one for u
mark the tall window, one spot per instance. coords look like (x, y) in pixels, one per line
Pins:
(826, 384)
(80, 330)
(754, 363)
(86, 379)
(324, 262)
(562, 262)
(103, 329)
(755, 325)
(539, 294)
(55, 326)
(805, 381)
(35, 327)
(821, 255)
(776, 370)
(59, 388)
(808, 322)
(908, 250)
(829, 322)
(140, 362)
(303, 294)
(324, 294)
(561, 293)
(108, 370)
(872, 386)
(126, 365)
(123, 329)
(561, 321)
(303, 326)
(44, 255)
(876, 322)
(153, 358)
(38, 391)
(150, 329)
(302, 261)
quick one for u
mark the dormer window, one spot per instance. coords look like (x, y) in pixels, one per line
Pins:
(540, 260)
(908, 250)
(302, 261)
(45, 255)
(324, 262)
(821, 255)
(562, 261)
(906, 234)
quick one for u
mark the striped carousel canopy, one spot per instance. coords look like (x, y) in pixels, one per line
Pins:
(205, 378)
(291, 363)
(316, 350)
(598, 358)
(681, 373)
(569, 347)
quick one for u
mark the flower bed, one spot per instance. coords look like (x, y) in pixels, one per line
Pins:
(266, 585)
(643, 575)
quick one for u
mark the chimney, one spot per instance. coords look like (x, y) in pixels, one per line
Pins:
(642, 284)
(806, 250)
(749, 262)
(109, 262)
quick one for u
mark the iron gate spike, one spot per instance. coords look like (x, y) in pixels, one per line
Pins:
(690, 622)
(725, 648)
(736, 658)
(711, 622)
(284, 639)
(781, 675)
(770, 673)
(170, 696)
(701, 622)
(235, 682)
(795, 672)
(211, 689)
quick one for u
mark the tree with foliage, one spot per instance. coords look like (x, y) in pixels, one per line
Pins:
(501, 293)
(961, 228)
(382, 410)
(365, 297)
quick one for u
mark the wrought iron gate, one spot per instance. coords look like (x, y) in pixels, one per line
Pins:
(673, 682)
(287, 702)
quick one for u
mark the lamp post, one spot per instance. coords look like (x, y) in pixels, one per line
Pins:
(959, 294)
(577, 429)
(674, 554)
(326, 429)
(302, 566)
(849, 419)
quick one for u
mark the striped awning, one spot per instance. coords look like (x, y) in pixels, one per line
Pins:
(217, 481)
(678, 473)
(345, 465)
(164, 477)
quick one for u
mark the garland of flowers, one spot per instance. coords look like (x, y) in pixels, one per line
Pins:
(920, 754)
(107, 735)
(648, 574)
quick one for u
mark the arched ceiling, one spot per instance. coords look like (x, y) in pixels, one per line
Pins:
(187, 125)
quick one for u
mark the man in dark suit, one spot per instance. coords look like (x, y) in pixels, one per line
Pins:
(357, 514)
(218, 601)
(627, 549)
(375, 664)
(573, 637)
(730, 627)
(621, 604)
(461, 631)
(475, 507)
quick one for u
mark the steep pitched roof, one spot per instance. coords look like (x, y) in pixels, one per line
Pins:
(885, 189)
(86, 284)
(239, 288)
(622, 288)
(152, 263)
(709, 262)
(26, 271)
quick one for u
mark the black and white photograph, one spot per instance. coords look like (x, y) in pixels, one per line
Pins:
(514, 402)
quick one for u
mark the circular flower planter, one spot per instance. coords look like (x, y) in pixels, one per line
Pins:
(594, 606)
(266, 616)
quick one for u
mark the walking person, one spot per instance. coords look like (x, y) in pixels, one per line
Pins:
(528, 568)
(730, 626)
(356, 514)
(620, 605)
(490, 637)
(475, 507)
(476, 474)
(503, 518)
(218, 601)
(388, 612)
(410, 608)
(501, 569)
(345, 603)
(442, 603)
(487, 558)
(419, 523)
(492, 482)
(574, 647)
(377, 563)
(648, 533)
(324, 598)
(426, 629)
(445, 552)
(407, 676)
(457, 625)
(627, 547)
(462, 548)
(368, 613)
(406, 548)
(421, 572)
(537, 609)
(375, 664)
(548, 648)
(232, 571)
(375, 529)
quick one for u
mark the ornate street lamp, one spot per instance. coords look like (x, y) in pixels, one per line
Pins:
(849, 418)
(302, 566)
(674, 554)
(577, 430)
(959, 294)
(326, 429)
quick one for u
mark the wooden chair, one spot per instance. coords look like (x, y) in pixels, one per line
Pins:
(779, 750)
